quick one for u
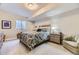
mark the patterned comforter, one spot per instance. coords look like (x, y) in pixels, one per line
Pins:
(31, 40)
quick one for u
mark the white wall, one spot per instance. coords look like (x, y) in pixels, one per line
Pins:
(43, 22)
(11, 33)
(68, 25)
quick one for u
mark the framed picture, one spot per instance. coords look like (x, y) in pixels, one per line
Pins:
(6, 24)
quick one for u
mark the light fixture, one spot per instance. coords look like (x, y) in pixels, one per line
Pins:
(31, 6)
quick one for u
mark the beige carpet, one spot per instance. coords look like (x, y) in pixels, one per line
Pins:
(16, 48)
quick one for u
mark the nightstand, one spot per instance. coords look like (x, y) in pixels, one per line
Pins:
(57, 38)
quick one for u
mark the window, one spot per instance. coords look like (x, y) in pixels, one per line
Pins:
(20, 24)
(23, 24)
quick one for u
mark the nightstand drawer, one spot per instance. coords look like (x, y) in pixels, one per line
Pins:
(55, 38)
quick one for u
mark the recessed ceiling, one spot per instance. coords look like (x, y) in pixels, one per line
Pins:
(20, 8)
(63, 10)
(36, 6)
(41, 10)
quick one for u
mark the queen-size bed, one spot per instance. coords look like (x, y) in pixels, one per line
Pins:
(33, 40)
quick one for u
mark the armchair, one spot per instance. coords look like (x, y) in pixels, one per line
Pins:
(72, 45)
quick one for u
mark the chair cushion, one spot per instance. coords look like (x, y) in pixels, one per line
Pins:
(71, 43)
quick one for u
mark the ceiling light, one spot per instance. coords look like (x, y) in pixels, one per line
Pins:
(31, 6)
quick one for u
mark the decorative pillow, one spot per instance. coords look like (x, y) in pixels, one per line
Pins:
(70, 38)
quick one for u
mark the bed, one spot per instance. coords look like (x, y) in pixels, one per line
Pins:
(34, 40)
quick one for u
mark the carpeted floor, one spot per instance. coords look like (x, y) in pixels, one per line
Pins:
(14, 47)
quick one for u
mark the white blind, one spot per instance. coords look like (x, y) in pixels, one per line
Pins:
(20, 24)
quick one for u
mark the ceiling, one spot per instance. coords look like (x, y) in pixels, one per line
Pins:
(44, 10)
(20, 9)
(64, 9)
(22, 5)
